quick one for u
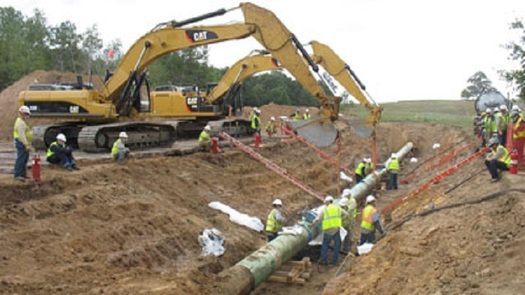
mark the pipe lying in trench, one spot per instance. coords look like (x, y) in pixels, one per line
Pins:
(250, 272)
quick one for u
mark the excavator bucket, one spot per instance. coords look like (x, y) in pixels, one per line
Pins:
(315, 131)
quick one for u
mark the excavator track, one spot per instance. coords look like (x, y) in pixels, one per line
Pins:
(191, 129)
(141, 135)
(44, 135)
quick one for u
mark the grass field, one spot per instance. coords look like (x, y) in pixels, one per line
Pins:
(449, 112)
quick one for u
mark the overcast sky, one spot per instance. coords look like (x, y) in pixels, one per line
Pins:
(401, 50)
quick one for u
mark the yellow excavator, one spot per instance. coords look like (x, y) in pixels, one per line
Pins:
(97, 116)
(221, 100)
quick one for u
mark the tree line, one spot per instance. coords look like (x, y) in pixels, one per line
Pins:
(29, 43)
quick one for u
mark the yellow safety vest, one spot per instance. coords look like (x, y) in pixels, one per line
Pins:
(354, 211)
(393, 165)
(204, 136)
(521, 133)
(505, 158)
(272, 224)
(114, 149)
(27, 131)
(255, 118)
(331, 217)
(360, 169)
(367, 222)
(49, 151)
(306, 116)
(296, 117)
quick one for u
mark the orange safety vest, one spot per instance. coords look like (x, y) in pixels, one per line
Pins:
(367, 222)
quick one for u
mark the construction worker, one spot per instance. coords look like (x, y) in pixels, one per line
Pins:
(59, 153)
(119, 151)
(360, 170)
(501, 122)
(487, 127)
(349, 204)
(370, 222)
(23, 137)
(306, 114)
(369, 166)
(297, 115)
(331, 216)
(275, 221)
(498, 159)
(518, 133)
(256, 121)
(271, 127)
(393, 169)
(205, 140)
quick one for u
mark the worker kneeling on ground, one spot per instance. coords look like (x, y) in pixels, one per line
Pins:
(205, 140)
(370, 222)
(119, 151)
(60, 153)
(498, 159)
(275, 221)
(332, 217)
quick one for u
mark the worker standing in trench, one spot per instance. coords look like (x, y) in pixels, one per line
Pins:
(370, 222)
(349, 204)
(275, 220)
(331, 216)
(393, 169)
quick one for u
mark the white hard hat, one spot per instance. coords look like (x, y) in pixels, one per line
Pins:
(503, 108)
(394, 155)
(328, 198)
(515, 107)
(207, 128)
(123, 135)
(346, 193)
(272, 118)
(277, 202)
(25, 110)
(343, 202)
(370, 199)
(307, 110)
(488, 110)
(258, 111)
(62, 137)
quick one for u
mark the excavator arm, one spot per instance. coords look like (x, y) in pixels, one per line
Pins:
(260, 23)
(337, 68)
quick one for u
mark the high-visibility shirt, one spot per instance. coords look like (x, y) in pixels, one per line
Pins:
(115, 148)
(50, 152)
(272, 224)
(306, 116)
(204, 136)
(256, 122)
(27, 131)
(360, 170)
(368, 218)
(352, 207)
(332, 217)
(519, 132)
(271, 127)
(393, 165)
(505, 157)
(296, 117)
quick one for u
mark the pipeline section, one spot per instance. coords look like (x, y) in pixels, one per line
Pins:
(250, 272)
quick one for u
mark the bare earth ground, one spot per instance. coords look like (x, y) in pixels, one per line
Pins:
(132, 229)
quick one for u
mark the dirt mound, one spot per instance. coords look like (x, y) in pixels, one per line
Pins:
(9, 96)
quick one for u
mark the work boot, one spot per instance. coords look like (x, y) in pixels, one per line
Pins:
(322, 262)
(20, 178)
(74, 167)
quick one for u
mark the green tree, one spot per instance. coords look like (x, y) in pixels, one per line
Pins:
(517, 53)
(479, 84)
(65, 45)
